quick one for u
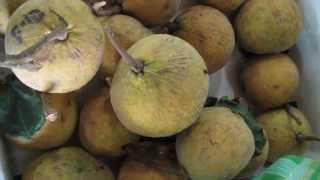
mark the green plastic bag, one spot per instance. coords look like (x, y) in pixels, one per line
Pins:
(292, 168)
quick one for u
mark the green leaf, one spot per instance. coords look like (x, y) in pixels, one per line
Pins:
(242, 108)
(21, 109)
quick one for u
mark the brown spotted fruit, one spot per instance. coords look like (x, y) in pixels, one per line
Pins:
(217, 147)
(289, 132)
(269, 26)
(100, 131)
(270, 81)
(210, 32)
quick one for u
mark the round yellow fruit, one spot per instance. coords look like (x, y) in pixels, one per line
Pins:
(217, 147)
(100, 132)
(57, 128)
(223, 5)
(128, 31)
(270, 81)
(54, 46)
(282, 127)
(152, 12)
(167, 94)
(269, 26)
(69, 163)
(210, 32)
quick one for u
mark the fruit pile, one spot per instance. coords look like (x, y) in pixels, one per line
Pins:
(150, 113)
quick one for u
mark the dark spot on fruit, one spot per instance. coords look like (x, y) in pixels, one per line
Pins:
(17, 33)
(276, 86)
(213, 143)
(101, 165)
(33, 17)
(80, 170)
(201, 37)
(205, 71)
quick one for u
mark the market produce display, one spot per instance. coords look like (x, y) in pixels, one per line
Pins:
(119, 89)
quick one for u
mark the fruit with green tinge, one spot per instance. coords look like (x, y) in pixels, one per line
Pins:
(269, 26)
(69, 163)
(270, 81)
(217, 147)
(210, 32)
(163, 88)
(223, 5)
(288, 131)
(50, 48)
(128, 31)
(101, 132)
(151, 12)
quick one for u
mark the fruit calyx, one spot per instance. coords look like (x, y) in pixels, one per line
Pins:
(136, 66)
(28, 58)
(240, 107)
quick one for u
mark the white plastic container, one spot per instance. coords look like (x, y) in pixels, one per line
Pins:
(225, 83)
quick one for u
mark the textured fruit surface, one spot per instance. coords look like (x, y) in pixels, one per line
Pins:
(255, 164)
(223, 5)
(4, 16)
(64, 65)
(269, 26)
(152, 12)
(128, 31)
(101, 132)
(282, 129)
(168, 96)
(67, 163)
(56, 130)
(270, 81)
(210, 32)
(217, 147)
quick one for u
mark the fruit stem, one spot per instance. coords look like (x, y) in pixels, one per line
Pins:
(136, 66)
(26, 59)
(302, 138)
